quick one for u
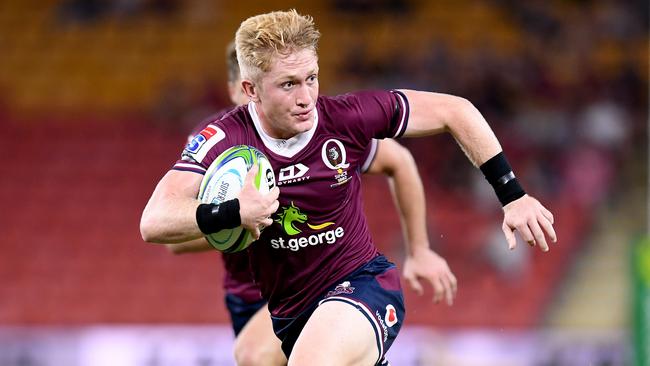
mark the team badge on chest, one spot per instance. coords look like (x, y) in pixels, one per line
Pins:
(334, 156)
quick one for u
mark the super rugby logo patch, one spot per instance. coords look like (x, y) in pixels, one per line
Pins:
(204, 141)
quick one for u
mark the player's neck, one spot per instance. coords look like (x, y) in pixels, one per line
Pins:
(268, 128)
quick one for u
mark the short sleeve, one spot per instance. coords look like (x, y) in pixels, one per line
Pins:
(369, 155)
(370, 114)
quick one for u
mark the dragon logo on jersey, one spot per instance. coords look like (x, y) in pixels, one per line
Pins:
(290, 215)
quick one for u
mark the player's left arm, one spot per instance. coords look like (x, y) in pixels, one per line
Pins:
(432, 113)
(421, 263)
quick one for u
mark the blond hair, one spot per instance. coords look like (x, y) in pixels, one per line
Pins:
(264, 36)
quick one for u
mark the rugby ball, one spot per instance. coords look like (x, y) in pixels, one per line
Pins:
(224, 180)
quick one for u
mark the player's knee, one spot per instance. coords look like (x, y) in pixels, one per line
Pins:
(260, 354)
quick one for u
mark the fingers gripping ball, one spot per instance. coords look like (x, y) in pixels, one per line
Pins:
(224, 180)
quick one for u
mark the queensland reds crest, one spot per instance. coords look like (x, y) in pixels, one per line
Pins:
(341, 288)
(335, 157)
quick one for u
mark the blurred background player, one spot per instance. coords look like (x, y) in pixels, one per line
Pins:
(256, 344)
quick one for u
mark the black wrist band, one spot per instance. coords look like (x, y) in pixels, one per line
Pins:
(499, 174)
(212, 217)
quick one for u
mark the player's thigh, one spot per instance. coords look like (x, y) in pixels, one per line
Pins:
(336, 333)
(257, 343)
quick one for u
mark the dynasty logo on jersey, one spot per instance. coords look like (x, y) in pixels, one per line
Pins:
(292, 219)
(292, 174)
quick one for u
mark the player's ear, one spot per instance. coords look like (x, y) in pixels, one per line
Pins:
(251, 90)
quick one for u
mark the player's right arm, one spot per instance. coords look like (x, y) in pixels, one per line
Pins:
(170, 215)
(193, 246)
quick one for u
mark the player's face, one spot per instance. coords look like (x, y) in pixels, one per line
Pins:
(287, 93)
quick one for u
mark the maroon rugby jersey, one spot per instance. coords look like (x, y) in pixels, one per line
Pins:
(238, 279)
(319, 232)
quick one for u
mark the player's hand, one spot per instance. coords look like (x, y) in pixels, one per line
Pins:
(532, 220)
(255, 208)
(425, 264)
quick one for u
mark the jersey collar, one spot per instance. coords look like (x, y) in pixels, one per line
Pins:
(289, 147)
